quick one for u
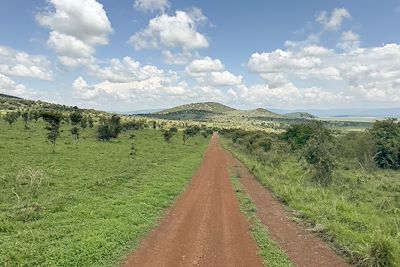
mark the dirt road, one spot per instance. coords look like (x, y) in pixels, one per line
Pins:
(303, 248)
(205, 227)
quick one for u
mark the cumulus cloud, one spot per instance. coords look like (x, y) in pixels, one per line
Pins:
(179, 31)
(368, 74)
(151, 5)
(225, 78)
(171, 58)
(77, 27)
(21, 64)
(204, 65)
(334, 20)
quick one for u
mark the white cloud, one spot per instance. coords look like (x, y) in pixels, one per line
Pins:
(176, 58)
(125, 70)
(179, 31)
(206, 64)
(225, 78)
(334, 20)
(21, 64)
(77, 27)
(10, 87)
(367, 74)
(349, 41)
(151, 5)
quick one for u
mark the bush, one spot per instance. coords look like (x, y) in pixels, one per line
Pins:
(318, 153)
(109, 128)
(386, 138)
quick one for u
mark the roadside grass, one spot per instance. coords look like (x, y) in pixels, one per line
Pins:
(269, 251)
(90, 205)
(359, 213)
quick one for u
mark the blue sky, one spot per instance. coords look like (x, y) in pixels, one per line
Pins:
(139, 54)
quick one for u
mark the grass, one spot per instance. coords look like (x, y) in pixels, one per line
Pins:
(270, 252)
(88, 206)
(360, 211)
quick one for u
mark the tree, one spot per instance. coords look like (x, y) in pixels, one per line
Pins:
(53, 119)
(11, 117)
(75, 135)
(154, 125)
(35, 115)
(318, 152)
(386, 138)
(90, 122)
(25, 118)
(167, 135)
(109, 128)
(75, 117)
(84, 122)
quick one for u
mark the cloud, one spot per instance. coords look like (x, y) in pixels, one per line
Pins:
(349, 41)
(334, 20)
(151, 5)
(21, 64)
(179, 31)
(204, 65)
(225, 78)
(10, 87)
(126, 69)
(77, 27)
(176, 58)
(367, 74)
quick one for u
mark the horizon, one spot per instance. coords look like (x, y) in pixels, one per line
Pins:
(154, 54)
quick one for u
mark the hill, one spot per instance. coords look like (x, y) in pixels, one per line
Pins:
(9, 96)
(300, 115)
(212, 107)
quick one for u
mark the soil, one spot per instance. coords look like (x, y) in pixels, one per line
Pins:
(205, 227)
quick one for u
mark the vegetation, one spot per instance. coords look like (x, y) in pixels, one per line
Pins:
(358, 204)
(89, 206)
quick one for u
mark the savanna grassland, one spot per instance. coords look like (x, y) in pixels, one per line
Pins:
(337, 184)
(89, 202)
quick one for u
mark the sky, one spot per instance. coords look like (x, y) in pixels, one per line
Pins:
(130, 55)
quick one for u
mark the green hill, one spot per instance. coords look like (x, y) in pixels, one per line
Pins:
(209, 107)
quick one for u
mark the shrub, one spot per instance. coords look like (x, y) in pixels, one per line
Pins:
(386, 137)
(11, 117)
(53, 119)
(381, 253)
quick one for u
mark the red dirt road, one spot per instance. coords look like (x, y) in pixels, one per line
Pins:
(205, 227)
(303, 248)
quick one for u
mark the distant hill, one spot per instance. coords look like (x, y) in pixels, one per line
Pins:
(212, 107)
(300, 115)
(9, 96)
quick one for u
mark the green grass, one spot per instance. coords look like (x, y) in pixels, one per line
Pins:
(88, 206)
(360, 211)
(270, 252)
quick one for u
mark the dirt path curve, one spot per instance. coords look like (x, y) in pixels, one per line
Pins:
(303, 248)
(205, 227)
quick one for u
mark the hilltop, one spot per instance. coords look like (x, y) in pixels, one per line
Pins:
(212, 107)
(303, 115)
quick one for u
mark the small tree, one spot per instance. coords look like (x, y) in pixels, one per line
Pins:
(53, 119)
(75, 117)
(90, 122)
(34, 115)
(154, 125)
(318, 152)
(386, 138)
(167, 135)
(75, 135)
(25, 118)
(11, 117)
(84, 122)
(115, 126)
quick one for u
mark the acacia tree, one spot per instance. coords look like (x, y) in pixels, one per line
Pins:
(167, 134)
(53, 119)
(75, 118)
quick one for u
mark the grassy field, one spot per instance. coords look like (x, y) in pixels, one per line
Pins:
(359, 213)
(90, 205)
